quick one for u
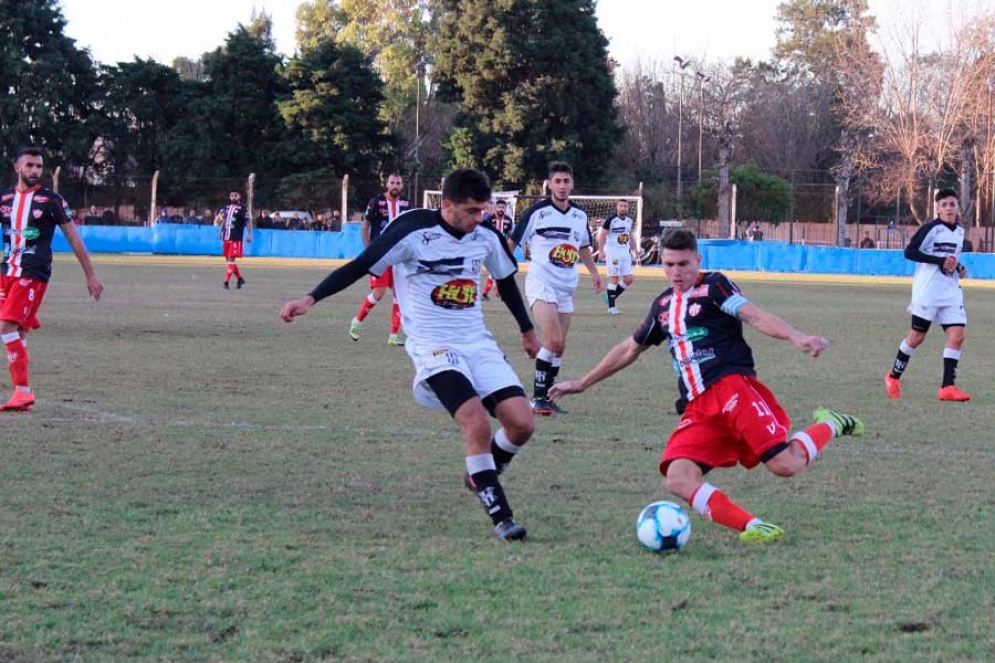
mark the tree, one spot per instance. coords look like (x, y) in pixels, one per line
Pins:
(50, 91)
(760, 196)
(533, 84)
(333, 103)
(245, 83)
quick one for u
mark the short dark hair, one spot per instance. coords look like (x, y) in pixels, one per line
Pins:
(466, 184)
(29, 151)
(680, 239)
(231, 191)
(560, 167)
(945, 193)
(501, 201)
(393, 173)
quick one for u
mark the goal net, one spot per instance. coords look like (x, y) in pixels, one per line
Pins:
(598, 208)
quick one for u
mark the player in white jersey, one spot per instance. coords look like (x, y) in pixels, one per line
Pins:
(617, 244)
(558, 237)
(936, 295)
(437, 257)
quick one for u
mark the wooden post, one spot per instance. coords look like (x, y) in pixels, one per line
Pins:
(152, 203)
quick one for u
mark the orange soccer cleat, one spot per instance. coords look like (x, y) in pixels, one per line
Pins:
(952, 393)
(893, 386)
(21, 401)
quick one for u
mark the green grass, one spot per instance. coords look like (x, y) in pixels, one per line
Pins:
(202, 482)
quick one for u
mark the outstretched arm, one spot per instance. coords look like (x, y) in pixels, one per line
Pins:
(93, 283)
(775, 327)
(617, 358)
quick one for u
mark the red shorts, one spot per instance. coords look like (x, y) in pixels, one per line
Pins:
(20, 299)
(385, 280)
(736, 420)
(232, 249)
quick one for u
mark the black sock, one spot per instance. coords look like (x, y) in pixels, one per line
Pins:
(949, 371)
(902, 362)
(612, 296)
(502, 458)
(491, 495)
(553, 372)
(619, 290)
(542, 378)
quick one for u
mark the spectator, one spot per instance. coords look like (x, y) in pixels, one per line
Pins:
(92, 217)
(163, 216)
(968, 246)
(755, 234)
(867, 242)
(335, 223)
(278, 223)
(191, 219)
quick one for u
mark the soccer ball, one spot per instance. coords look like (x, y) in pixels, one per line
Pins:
(663, 527)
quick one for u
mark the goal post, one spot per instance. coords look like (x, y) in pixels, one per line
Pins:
(598, 208)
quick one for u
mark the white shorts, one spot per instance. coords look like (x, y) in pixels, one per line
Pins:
(537, 291)
(941, 315)
(482, 362)
(619, 265)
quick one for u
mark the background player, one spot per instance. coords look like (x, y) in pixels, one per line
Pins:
(382, 209)
(617, 243)
(559, 238)
(936, 295)
(502, 222)
(730, 415)
(458, 365)
(235, 222)
(29, 214)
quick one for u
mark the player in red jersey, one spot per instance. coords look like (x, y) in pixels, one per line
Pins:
(29, 214)
(381, 211)
(235, 222)
(728, 415)
(501, 222)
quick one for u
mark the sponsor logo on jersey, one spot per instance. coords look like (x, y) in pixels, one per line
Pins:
(475, 265)
(544, 213)
(695, 334)
(731, 404)
(41, 199)
(31, 233)
(700, 291)
(428, 237)
(623, 238)
(564, 255)
(696, 357)
(694, 310)
(7, 196)
(456, 294)
(5, 210)
(440, 351)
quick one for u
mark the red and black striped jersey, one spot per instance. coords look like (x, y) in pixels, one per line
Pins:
(383, 209)
(702, 330)
(28, 219)
(233, 221)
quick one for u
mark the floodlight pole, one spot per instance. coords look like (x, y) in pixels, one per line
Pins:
(682, 65)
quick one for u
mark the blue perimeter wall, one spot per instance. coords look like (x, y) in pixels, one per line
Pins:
(174, 239)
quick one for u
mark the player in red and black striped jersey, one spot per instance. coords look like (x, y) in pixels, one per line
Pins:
(235, 224)
(381, 211)
(728, 415)
(502, 222)
(29, 215)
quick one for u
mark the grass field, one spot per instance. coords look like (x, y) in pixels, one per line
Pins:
(201, 482)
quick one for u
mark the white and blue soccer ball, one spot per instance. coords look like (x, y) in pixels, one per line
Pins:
(663, 527)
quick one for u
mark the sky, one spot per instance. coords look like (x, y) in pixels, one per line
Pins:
(652, 30)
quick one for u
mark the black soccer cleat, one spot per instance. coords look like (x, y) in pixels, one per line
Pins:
(225, 285)
(554, 406)
(509, 530)
(240, 283)
(542, 406)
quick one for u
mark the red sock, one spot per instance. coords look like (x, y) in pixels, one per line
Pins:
(235, 270)
(17, 359)
(488, 285)
(228, 272)
(395, 319)
(813, 439)
(366, 307)
(712, 503)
